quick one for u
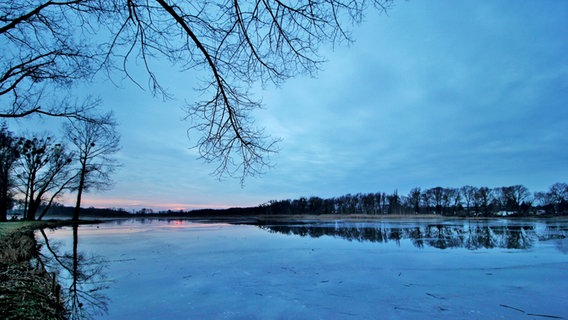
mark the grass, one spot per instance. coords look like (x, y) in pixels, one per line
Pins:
(9, 227)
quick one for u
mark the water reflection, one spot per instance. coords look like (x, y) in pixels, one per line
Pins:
(442, 235)
(82, 275)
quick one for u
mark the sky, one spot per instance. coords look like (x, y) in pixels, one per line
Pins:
(433, 93)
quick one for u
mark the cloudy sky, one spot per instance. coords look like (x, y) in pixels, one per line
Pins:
(434, 93)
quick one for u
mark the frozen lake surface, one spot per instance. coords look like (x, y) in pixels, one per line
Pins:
(396, 269)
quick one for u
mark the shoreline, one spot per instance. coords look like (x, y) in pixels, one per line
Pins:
(259, 219)
(306, 218)
(27, 290)
(19, 248)
(263, 219)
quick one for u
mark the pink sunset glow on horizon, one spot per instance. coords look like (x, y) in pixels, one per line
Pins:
(137, 204)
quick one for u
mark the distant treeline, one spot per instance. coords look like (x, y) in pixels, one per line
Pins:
(61, 211)
(467, 201)
(464, 201)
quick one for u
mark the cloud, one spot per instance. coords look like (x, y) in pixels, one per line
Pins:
(430, 94)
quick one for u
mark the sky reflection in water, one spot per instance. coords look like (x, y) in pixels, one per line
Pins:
(340, 270)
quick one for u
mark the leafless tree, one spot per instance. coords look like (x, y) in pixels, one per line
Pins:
(512, 197)
(455, 199)
(94, 143)
(236, 44)
(558, 197)
(43, 173)
(414, 199)
(433, 198)
(41, 53)
(9, 154)
(468, 193)
(482, 200)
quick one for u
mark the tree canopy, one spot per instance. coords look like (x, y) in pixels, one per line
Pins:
(49, 45)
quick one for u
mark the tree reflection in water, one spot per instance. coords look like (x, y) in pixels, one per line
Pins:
(443, 235)
(83, 275)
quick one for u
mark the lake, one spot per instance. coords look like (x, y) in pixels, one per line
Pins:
(393, 269)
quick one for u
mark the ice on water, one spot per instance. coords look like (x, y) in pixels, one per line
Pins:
(415, 269)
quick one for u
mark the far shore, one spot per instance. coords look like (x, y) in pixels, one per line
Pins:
(302, 218)
(353, 217)
(259, 219)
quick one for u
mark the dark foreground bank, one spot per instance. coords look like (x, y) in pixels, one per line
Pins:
(27, 290)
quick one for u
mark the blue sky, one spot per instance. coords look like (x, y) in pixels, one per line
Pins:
(433, 93)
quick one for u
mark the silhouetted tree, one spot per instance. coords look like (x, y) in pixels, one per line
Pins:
(433, 197)
(425, 200)
(479, 201)
(299, 206)
(52, 44)
(368, 203)
(43, 173)
(315, 205)
(379, 202)
(393, 203)
(558, 195)
(542, 200)
(43, 54)
(468, 195)
(9, 154)
(446, 200)
(329, 206)
(95, 143)
(482, 200)
(455, 200)
(414, 199)
(512, 197)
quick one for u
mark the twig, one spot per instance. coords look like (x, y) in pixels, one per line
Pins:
(517, 309)
(544, 316)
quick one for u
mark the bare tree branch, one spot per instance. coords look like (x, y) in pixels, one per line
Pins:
(236, 43)
(64, 108)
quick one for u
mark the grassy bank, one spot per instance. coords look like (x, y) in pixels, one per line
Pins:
(7, 228)
(27, 290)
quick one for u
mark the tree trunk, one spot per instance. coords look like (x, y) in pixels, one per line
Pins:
(80, 193)
(32, 209)
(3, 212)
(4, 200)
